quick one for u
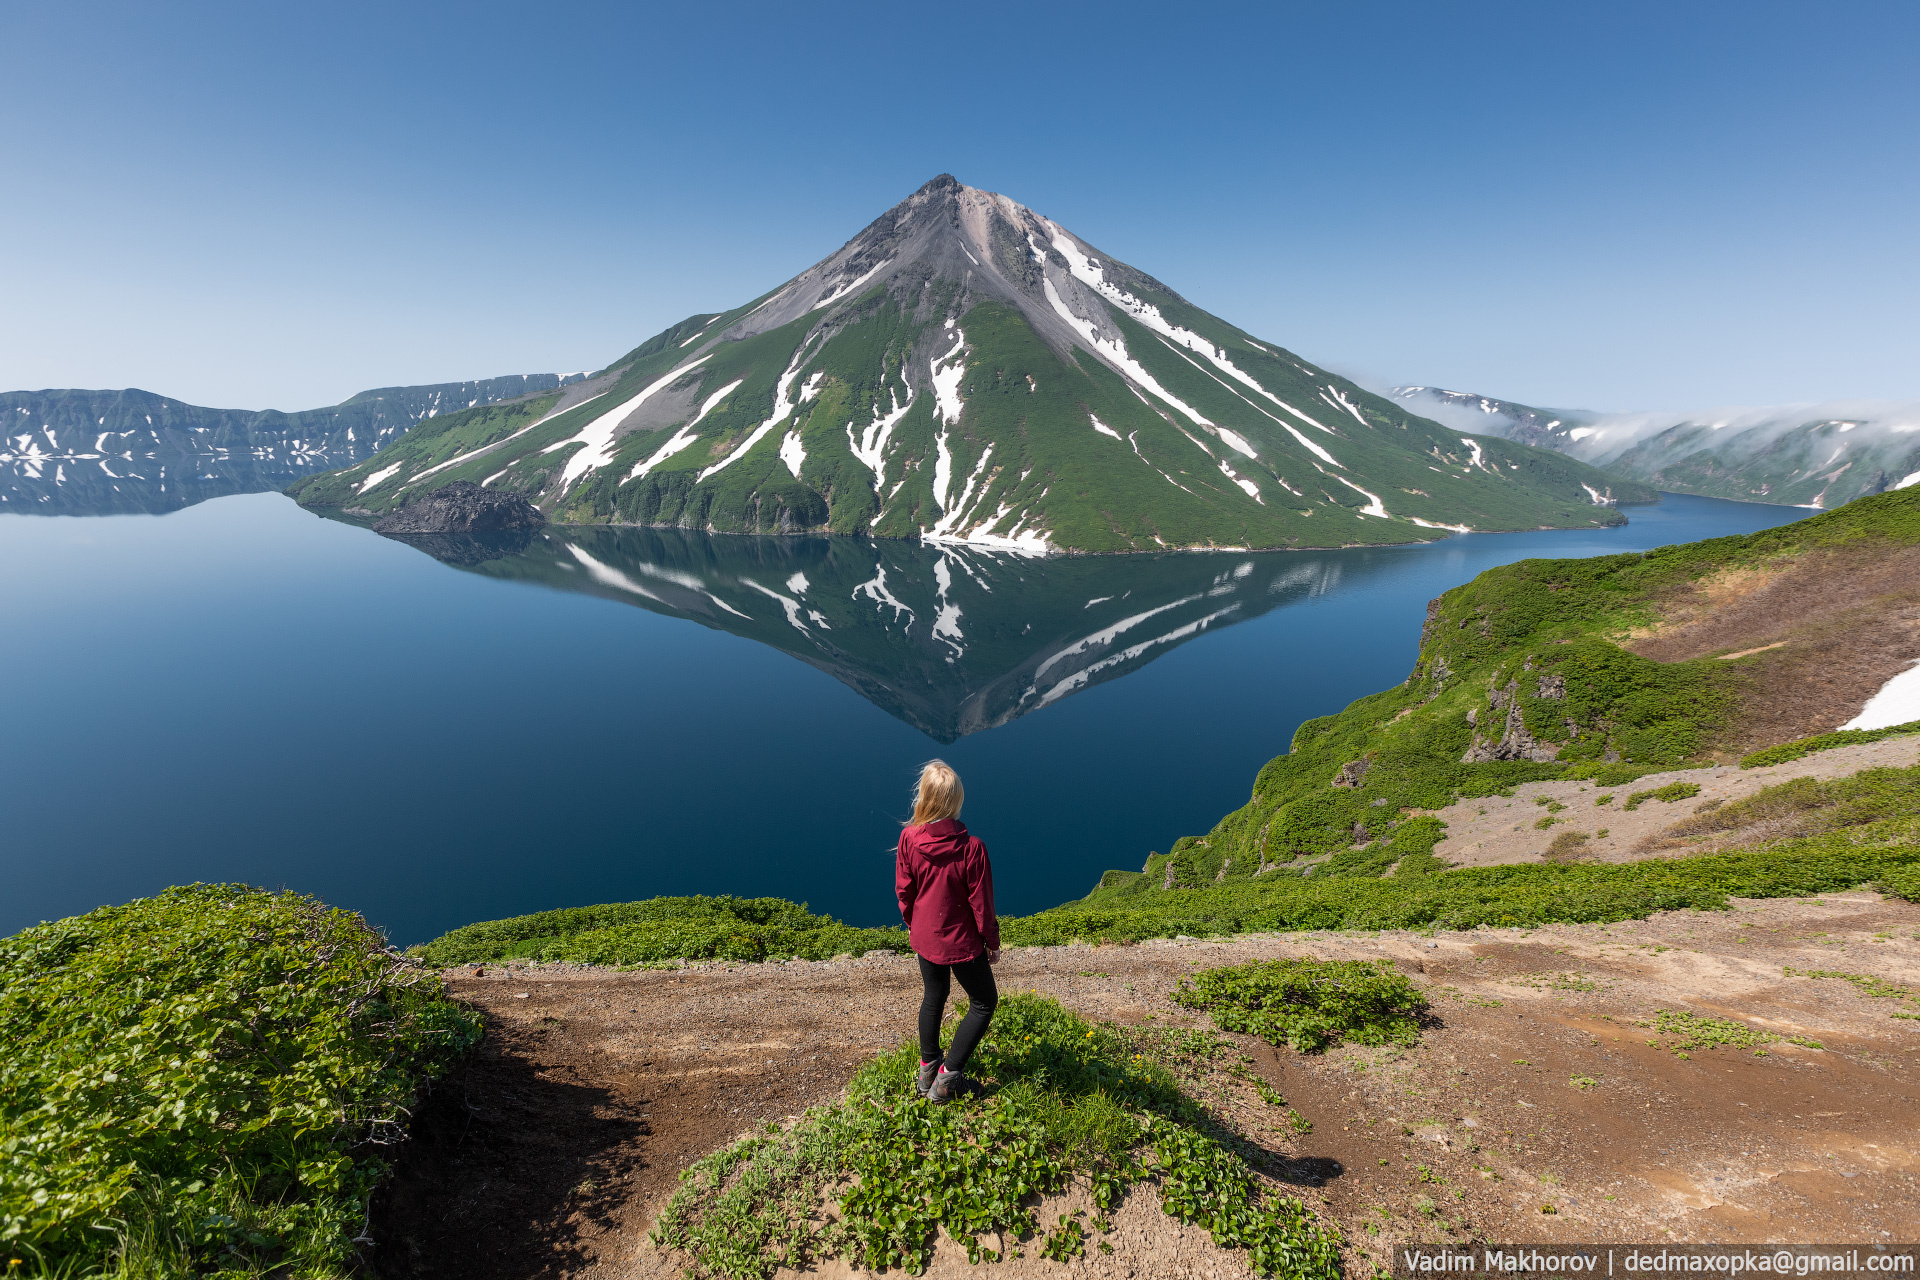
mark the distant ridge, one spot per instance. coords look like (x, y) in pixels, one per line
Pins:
(1801, 455)
(80, 452)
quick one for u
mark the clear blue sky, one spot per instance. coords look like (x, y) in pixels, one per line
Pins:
(1621, 205)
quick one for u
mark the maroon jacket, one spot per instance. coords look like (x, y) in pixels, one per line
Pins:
(945, 886)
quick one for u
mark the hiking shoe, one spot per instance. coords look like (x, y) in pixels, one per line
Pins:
(949, 1085)
(924, 1080)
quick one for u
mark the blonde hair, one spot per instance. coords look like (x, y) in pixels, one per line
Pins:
(937, 795)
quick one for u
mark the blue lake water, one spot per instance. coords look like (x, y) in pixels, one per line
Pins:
(452, 731)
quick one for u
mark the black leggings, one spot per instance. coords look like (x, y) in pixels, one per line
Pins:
(976, 979)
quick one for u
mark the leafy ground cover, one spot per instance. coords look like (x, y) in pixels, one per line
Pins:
(658, 930)
(1821, 742)
(1807, 806)
(1071, 1104)
(663, 930)
(1504, 896)
(1688, 1030)
(1867, 985)
(1668, 794)
(201, 1083)
(1309, 1004)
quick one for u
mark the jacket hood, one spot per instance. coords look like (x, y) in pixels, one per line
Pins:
(942, 841)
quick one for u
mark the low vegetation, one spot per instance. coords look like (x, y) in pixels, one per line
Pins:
(1821, 742)
(1518, 896)
(1074, 1106)
(661, 930)
(1687, 1030)
(1503, 896)
(1668, 794)
(1309, 1004)
(1867, 985)
(1809, 806)
(203, 1082)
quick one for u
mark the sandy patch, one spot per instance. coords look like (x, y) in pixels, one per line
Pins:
(1497, 829)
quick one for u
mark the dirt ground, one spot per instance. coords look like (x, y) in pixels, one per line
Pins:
(1494, 830)
(1533, 1090)
(1818, 637)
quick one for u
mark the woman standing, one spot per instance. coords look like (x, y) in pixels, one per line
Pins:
(945, 885)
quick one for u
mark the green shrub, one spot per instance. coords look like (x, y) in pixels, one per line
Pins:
(207, 1076)
(1865, 983)
(1421, 894)
(1901, 882)
(1071, 1102)
(1309, 1004)
(1501, 896)
(1669, 793)
(1807, 806)
(1691, 1031)
(1822, 741)
(661, 929)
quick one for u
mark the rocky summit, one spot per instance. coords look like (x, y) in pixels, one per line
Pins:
(967, 370)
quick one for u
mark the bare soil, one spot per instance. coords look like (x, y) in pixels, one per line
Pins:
(1494, 830)
(1818, 637)
(550, 1154)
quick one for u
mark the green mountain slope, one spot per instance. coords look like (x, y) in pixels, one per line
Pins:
(1524, 674)
(78, 452)
(1819, 456)
(966, 370)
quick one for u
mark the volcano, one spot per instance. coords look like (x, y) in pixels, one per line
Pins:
(966, 370)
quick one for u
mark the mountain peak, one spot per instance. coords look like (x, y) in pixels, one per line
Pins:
(967, 370)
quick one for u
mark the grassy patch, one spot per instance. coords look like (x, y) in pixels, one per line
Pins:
(1309, 1004)
(1806, 806)
(1691, 1031)
(203, 1082)
(1073, 1105)
(1415, 897)
(1865, 983)
(662, 929)
(1567, 846)
(1821, 742)
(1503, 896)
(1669, 793)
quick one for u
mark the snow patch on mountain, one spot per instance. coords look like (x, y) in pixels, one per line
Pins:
(1374, 506)
(946, 379)
(1115, 350)
(380, 475)
(783, 408)
(848, 288)
(598, 435)
(792, 452)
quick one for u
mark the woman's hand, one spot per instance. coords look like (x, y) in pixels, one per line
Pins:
(993, 955)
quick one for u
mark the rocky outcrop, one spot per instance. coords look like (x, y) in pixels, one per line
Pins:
(1514, 742)
(461, 507)
(1353, 771)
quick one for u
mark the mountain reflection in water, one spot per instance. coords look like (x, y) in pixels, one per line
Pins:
(950, 639)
